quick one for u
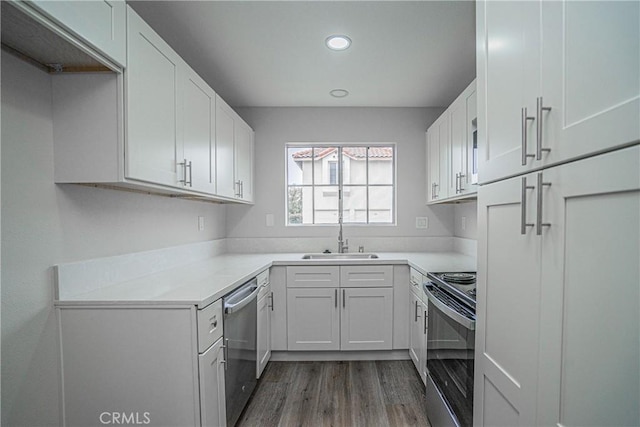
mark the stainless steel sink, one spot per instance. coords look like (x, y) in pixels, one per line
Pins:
(340, 256)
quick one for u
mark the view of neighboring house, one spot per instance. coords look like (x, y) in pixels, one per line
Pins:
(367, 182)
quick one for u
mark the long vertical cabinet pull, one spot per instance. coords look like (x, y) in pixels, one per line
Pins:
(523, 207)
(460, 177)
(416, 315)
(225, 354)
(336, 297)
(539, 223)
(185, 165)
(425, 322)
(539, 110)
(525, 119)
(344, 304)
(271, 296)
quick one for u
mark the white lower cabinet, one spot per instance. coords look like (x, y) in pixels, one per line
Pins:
(366, 319)
(558, 332)
(340, 318)
(212, 397)
(265, 306)
(278, 283)
(313, 319)
(142, 363)
(418, 324)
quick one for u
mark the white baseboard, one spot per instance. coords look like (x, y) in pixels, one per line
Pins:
(301, 356)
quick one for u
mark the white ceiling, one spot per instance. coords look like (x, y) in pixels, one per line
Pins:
(272, 53)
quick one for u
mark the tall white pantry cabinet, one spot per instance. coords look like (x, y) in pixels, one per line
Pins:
(558, 333)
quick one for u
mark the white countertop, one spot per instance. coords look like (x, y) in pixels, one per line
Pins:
(201, 283)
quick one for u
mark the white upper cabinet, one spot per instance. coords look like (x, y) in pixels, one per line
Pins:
(433, 164)
(224, 149)
(599, 109)
(243, 160)
(538, 106)
(199, 102)
(450, 150)
(462, 112)
(234, 154)
(438, 158)
(101, 23)
(152, 79)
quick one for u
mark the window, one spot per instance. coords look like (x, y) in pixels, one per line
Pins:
(324, 180)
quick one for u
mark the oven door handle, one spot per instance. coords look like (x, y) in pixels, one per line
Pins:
(449, 312)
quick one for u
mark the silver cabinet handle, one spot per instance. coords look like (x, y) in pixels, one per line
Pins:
(225, 349)
(539, 109)
(457, 177)
(425, 323)
(344, 304)
(271, 297)
(186, 165)
(433, 190)
(525, 118)
(415, 319)
(523, 206)
(237, 184)
(539, 223)
(461, 176)
(435, 185)
(190, 174)
(336, 297)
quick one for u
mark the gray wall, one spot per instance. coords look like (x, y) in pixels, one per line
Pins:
(45, 224)
(276, 126)
(468, 210)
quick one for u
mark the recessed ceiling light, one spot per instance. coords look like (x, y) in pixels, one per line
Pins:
(337, 42)
(339, 93)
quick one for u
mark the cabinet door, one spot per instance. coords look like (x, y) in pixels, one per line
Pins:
(433, 162)
(212, 398)
(264, 332)
(313, 277)
(278, 302)
(508, 63)
(198, 105)
(508, 305)
(367, 319)
(366, 276)
(415, 334)
(225, 185)
(590, 329)
(443, 137)
(153, 147)
(101, 23)
(244, 159)
(469, 180)
(313, 319)
(589, 78)
(457, 145)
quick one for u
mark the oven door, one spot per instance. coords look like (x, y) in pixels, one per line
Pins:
(450, 362)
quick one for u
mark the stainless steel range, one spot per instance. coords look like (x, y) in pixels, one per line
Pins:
(450, 348)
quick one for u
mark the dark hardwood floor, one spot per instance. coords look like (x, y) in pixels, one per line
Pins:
(347, 394)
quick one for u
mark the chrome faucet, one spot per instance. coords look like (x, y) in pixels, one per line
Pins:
(343, 245)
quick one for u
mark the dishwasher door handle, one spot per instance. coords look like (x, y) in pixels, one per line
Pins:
(236, 306)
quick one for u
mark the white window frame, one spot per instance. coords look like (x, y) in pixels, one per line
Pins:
(341, 184)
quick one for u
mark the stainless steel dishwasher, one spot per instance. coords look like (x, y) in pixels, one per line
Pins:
(240, 317)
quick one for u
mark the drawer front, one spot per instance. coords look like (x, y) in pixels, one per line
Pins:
(366, 276)
(263, 283)
(313, 277)
(416, 279)
(209, 325)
